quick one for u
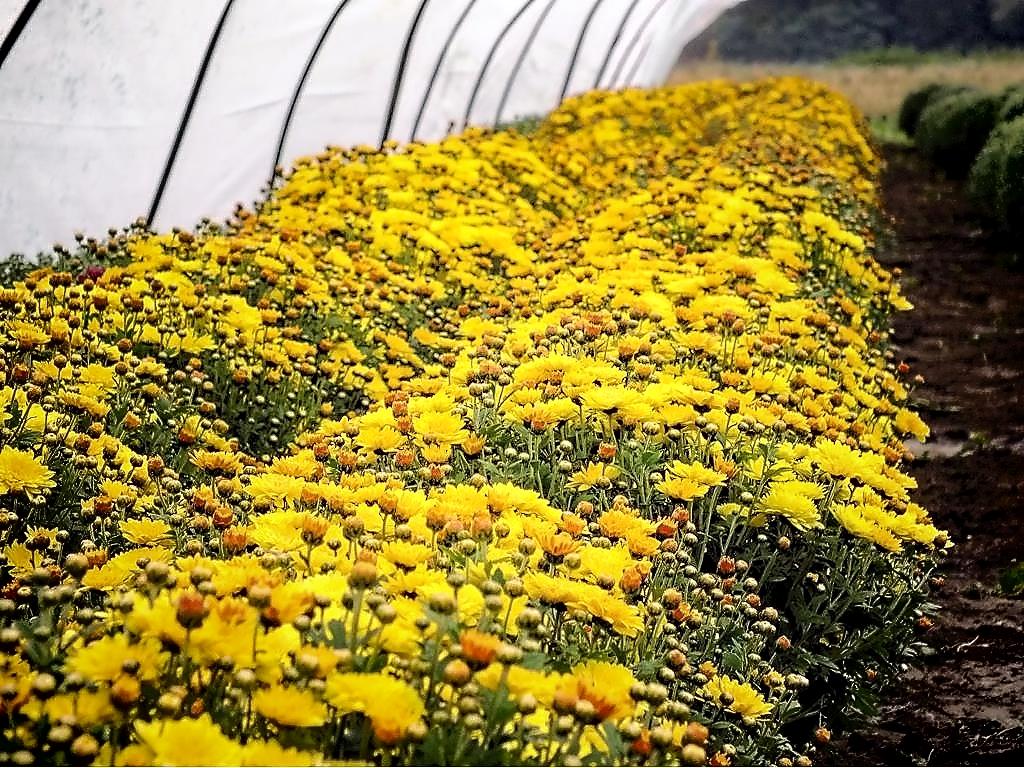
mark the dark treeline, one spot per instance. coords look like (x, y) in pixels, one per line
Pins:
(815, 30)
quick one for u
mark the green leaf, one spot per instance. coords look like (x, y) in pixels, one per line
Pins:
(732, 661)
(1011, 581)
(535, 660)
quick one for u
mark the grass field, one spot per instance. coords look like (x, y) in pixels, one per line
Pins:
(877, 88)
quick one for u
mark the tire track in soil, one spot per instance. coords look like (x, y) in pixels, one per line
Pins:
(965, 704)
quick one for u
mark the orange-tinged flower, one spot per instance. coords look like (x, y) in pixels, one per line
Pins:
(478, 648)
(557, 545)
(473, 444)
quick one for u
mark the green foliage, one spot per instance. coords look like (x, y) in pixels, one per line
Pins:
(1013, 103)
(916, 102)
(907, 56)
(1011, 200)
(952, 130)
(983, 184)
(523, 125)
(16, 266)
(1011, 581)
(885, 130)
(997, 178)
(890, 32)
(895, 55)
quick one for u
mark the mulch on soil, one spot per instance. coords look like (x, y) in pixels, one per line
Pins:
(965, 704)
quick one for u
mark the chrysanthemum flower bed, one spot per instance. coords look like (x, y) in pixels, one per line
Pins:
(582, 445)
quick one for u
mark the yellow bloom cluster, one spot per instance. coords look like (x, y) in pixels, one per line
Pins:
(531, 448)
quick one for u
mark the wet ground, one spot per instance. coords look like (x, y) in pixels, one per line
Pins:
(965, 705)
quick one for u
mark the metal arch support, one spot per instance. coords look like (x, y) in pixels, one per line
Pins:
(643, 53)
(437, 68)
(615, 41)
(17, 28)
(637, 62)
(490, 56)
(576, 50)
(403, 61)
(634, 40)
(297, 92)
(522, 58)
(186, 116)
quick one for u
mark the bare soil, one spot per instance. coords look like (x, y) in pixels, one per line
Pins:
(965, 704)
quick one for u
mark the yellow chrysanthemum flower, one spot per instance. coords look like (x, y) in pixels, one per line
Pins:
(739, 697)
(605, 686)
(188, 742)
(22, 472)
(594, 475)
(787, 501)
(105, 659)
(391, 705)
(290, 706)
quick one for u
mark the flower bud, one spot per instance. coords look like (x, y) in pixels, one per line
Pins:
(363, 575)
(191, 609)
(694, 754)
(457, 673)
(527, 704)
(85, 746)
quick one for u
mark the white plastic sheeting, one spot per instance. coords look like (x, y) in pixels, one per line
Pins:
(177, 109)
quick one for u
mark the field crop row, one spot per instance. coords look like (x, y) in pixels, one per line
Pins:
(582, 445)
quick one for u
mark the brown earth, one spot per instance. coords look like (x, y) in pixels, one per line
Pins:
(965, 704)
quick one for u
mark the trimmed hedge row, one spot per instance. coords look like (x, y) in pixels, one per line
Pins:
(997, 178)
(916, 102)
(970, 133)
(952, 130)
(577, 447)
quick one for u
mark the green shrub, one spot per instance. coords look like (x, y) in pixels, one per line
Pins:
(1013, 104)
(916, 101)
(1011, 189)
(987, 171)
(997, 177)
(952, 130)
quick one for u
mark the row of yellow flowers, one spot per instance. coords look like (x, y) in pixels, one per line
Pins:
(575, 445)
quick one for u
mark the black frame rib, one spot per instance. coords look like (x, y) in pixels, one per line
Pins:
(521, 59)
(437, 68)
(490, 56)
(634, 40)
(643, 53)
(301, 83)
(17, 28)
(615, 41)
(186, 116)
(574, 58)
(637, 62)
(403, 61)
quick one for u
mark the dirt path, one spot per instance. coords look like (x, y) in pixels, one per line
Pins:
(966, 337)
